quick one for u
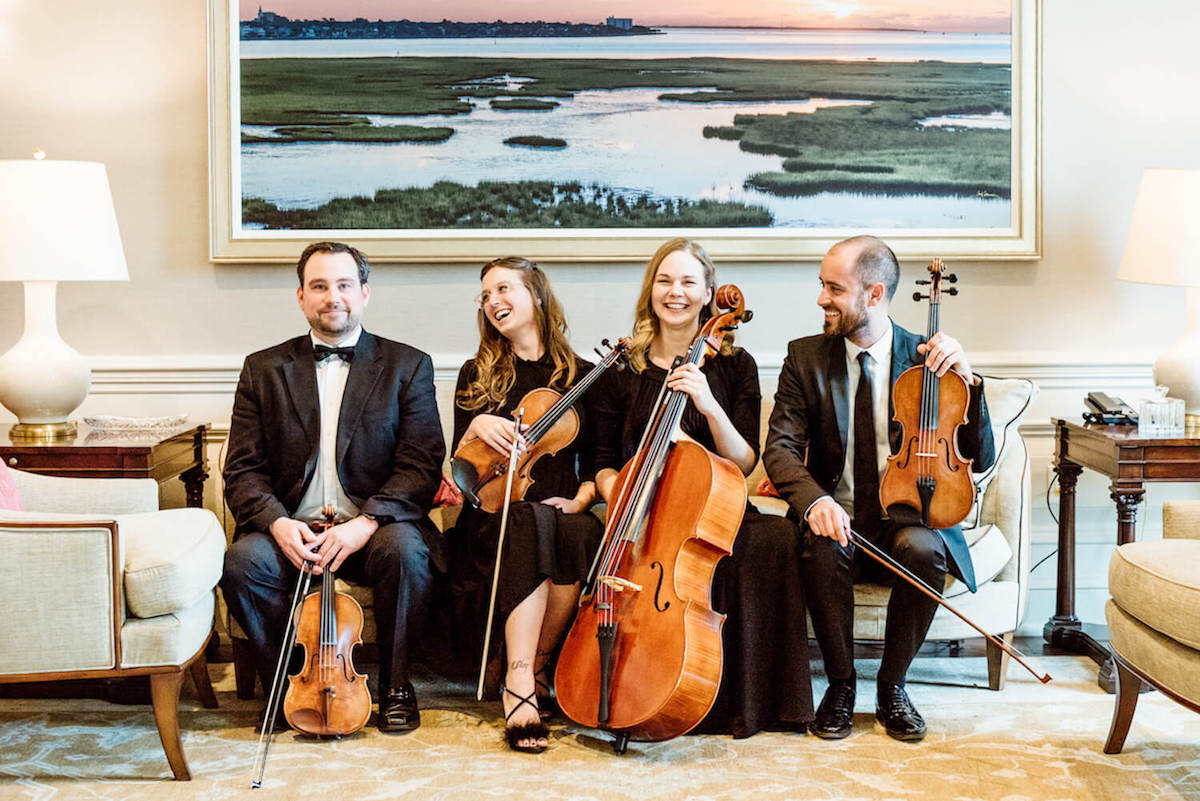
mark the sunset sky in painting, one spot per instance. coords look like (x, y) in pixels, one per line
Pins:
(990, 16)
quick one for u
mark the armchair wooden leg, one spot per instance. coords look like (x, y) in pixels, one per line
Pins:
(998, 662)
(1128, 685)
(164, 692)
(243, 669)
(204, 688)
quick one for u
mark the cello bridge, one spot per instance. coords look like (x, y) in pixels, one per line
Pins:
(617, 584)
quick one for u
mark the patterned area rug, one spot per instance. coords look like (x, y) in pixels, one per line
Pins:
(1027, 742)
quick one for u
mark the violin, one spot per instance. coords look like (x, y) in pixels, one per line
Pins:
(929, 475)
(643, 656)
(554, 424)
(327, 697)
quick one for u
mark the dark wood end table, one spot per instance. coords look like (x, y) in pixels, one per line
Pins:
(1129, 461)
(161, 455)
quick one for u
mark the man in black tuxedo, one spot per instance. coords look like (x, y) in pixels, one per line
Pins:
(826, 469)
(336, 416)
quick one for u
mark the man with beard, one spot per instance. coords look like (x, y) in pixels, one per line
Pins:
(336, 417)
(826, 449)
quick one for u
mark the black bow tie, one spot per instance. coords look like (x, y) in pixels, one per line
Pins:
(323, 352)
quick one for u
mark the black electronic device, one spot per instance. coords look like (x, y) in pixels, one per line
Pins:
(1108, 410)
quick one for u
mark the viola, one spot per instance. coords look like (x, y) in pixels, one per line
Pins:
(554, 424)
(643, 656)
(327, 697)
(928, 474)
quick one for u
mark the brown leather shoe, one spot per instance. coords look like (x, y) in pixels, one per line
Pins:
(897, 714)
(398, 710)
(836, 712)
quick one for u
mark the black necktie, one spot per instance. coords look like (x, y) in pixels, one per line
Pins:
(323, 352)
(866, 468)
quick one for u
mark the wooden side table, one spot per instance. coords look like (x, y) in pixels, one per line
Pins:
(1129, 461)
(101, 454)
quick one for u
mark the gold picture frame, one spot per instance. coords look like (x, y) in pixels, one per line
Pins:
(230, 242)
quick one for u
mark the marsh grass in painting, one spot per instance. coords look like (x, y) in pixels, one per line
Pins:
(878, 147)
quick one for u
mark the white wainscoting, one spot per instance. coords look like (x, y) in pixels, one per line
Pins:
(203, 386)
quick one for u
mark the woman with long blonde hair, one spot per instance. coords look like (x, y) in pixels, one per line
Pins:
(765, 682)
(551, 537)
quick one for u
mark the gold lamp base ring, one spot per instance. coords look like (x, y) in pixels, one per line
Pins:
(43, 431)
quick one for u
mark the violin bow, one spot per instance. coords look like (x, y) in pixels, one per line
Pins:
(508, 482)
(903, 572)
(303, 578)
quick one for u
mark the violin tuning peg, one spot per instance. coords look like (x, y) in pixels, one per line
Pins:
(922, 283)
(952, 291)
(747, 316)
(919, 296)
(952, 278)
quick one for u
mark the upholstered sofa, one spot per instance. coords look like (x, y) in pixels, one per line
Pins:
(997, 530)
(103, 584)
(1154, 617)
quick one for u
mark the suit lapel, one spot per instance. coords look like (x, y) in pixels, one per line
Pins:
(364, 374)
(836, 367)
(904, 356)
(300, 375)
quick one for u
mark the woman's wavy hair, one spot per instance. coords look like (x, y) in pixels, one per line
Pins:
(495, 362)
(645, 321)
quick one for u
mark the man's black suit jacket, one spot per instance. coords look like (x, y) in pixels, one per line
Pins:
(389, 441)
(806, 443)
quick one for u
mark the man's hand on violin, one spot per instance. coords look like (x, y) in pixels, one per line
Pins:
(688, 378)
(296, 540)
(944, 353)
(342, 540)
(827, 518)
(496, 432)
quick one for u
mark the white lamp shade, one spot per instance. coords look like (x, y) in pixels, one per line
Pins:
(57, 223)
(1163, 246)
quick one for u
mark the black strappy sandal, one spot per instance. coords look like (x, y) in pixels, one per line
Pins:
(524, 731)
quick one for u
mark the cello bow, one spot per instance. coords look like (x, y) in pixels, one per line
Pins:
(903, 572)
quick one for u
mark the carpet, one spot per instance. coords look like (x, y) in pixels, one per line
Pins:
(1030, 741)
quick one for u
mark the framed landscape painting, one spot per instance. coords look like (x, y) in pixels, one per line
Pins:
(591, 131)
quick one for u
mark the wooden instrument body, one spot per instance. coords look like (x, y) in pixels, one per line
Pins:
(667, 653)
(327, 696)
(951, 502)
(476, 466)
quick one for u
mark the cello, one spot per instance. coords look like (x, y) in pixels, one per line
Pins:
(476, 465)
(929, 475)
(643, 657)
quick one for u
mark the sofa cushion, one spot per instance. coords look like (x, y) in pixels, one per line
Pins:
(1158, 582)
(1174, 666)
(1008, 399)
(172, 558)
(10, 498)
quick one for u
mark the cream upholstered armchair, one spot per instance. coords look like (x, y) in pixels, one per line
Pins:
(997, 531)
(1154, 617)
(102, 584)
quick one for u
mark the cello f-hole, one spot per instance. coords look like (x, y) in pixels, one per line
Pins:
(658, 589)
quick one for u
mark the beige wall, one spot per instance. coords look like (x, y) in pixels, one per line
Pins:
(124, 83)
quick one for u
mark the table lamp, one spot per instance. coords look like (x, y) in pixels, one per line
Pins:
(57, 223)
(1163, 247)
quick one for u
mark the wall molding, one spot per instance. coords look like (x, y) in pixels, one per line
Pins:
(190, 374)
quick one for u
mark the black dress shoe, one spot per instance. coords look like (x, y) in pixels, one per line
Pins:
(897, 714)
(836, 712)
(398, 710)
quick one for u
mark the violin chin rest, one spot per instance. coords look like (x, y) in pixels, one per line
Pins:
(466, 478)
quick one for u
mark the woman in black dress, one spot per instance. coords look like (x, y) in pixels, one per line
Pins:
(765, 683)
(551, 537)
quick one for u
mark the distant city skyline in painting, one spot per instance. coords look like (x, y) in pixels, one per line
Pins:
(973, 16)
